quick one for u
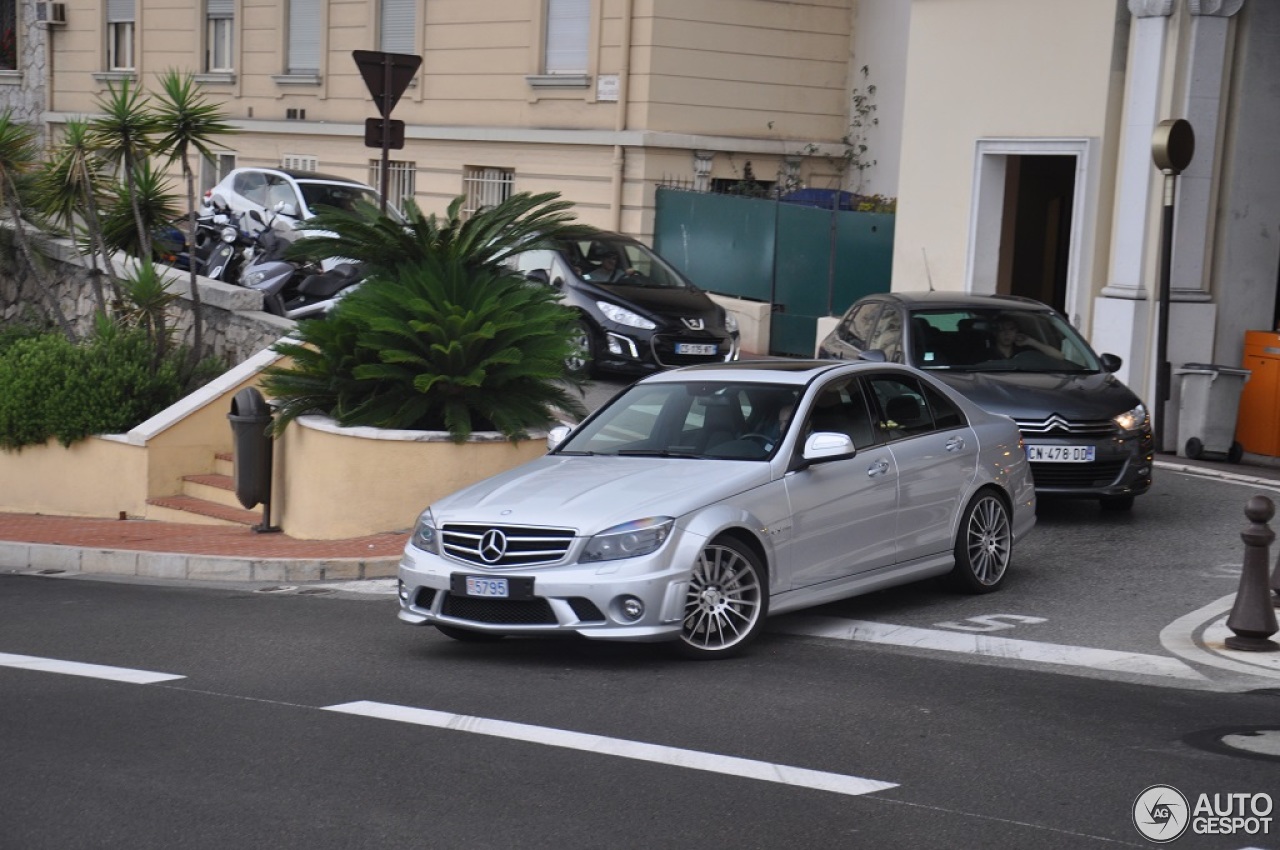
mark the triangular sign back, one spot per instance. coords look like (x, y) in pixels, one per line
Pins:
(387, 75)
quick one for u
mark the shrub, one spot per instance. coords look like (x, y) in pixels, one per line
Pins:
(56, 388)
(441, 346)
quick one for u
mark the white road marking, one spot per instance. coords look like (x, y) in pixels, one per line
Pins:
(977, 644)
(93, 671)
(1179, 637)
(692, 759)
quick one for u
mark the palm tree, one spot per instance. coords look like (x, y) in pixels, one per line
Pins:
(155, 205)
(123, 136)
(441, 335)
(18, 157)
(186, 121)
(70, 184)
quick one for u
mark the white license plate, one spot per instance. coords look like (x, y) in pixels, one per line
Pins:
(1060, 454)
(495, 588)
(696, 348)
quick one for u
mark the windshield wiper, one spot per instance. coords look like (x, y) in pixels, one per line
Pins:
(656, 453)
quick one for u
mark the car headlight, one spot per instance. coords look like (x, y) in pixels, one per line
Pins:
(623, 316)
(1131, 420)
(425, 536)
(730, 322)
(629, 540)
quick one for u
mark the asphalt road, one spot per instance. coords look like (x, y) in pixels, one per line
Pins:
(910, 718)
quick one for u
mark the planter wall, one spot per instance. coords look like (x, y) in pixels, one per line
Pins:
(333, 482)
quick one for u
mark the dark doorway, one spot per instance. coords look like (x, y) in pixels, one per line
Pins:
(1035, 238)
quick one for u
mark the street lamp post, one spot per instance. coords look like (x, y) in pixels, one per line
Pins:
(1172, 146)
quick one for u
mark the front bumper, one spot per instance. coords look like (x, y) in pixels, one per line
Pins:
(1122, 467)
(625, 349)
(568, 598)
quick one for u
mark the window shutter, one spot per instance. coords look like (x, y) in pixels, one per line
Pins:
(568, 32)
(220, 8)
(119, 11)
(398, 29)
(304, 37)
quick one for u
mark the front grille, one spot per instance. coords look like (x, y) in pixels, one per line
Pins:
(1101, 474)
(1057, 426)
(513, 612)
(664, 350)
(505, 545)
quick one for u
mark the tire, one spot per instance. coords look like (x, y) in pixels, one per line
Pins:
(984, 545)
(727, 602)
(1235, 454)
(467, 635)
(583, 361)
(1194, 448)
(1116, 503)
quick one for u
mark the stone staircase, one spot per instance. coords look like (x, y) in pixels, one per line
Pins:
(206, 499)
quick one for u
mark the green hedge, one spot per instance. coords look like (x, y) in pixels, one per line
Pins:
(51, 387)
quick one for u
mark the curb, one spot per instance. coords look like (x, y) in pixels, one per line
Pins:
(52, 559)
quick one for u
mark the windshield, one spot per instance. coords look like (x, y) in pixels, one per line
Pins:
(737, 421)
(607, 259)
(341, 195)
(991, 340)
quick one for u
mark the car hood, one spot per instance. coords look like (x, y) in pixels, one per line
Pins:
(591, 494)
(1037, 395)
(662, 302)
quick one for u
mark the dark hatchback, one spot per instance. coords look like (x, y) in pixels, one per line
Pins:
(636, 312)
(1087, 434)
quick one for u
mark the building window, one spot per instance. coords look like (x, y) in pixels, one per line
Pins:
(8, 35)
(219, 34)
(299, 162)
(401, 180)
(568, 33)
(214, 168)
(485, 187)
(397, 26)
(304, 38)
(120, 35)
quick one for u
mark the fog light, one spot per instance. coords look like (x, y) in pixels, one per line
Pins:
(403, 590)
(1144, 470)
(615, 347)
(632, 608)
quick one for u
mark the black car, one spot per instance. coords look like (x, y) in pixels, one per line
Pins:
(637, 313)
(1086, 433)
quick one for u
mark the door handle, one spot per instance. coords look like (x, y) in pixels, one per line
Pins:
(955, 444)
(880, 467)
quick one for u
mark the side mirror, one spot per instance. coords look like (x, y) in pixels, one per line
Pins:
(875, 355)
(286, 208)
(825, 446)
(558, 435)
(1111, 362)
(538, 276)
(256, 216)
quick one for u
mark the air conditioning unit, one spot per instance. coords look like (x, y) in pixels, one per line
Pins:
(51, 14)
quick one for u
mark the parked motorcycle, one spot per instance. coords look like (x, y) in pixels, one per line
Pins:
(289, 289)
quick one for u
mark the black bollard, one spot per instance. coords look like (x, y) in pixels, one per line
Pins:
(1275, 585)
(1252, 618)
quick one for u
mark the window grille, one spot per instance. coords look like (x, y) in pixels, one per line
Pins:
(299, 162)
(401, 180)
(485, 187)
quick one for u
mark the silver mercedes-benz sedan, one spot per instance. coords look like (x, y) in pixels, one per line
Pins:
(700, 500)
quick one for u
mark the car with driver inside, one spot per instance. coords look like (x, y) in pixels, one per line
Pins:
(700, 500)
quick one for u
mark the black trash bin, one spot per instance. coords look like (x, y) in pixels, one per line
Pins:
(251, 418)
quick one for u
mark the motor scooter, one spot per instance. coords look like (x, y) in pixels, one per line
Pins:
(293, 290)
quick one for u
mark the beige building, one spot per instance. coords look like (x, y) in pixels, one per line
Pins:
(596, 99)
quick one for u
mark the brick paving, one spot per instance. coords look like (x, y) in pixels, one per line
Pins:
(189, 539)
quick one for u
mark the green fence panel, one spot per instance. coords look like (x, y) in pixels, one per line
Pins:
(724, 244)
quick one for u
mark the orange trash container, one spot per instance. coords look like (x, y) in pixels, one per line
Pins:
(1258, 424)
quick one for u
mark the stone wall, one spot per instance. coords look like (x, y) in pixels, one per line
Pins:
(235, 327)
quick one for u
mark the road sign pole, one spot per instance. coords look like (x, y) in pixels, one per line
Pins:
(384, 182)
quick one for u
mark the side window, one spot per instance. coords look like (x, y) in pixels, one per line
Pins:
(904, 412)
(842, 407)
(945, 413)
(529, 261)
(280, 192)
(888, 335)
(252, 187)
(857, 324)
